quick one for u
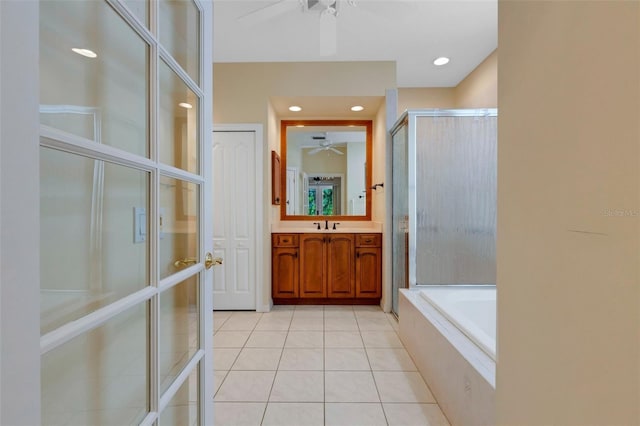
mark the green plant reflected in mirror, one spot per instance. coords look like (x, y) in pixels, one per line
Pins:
(326, 169)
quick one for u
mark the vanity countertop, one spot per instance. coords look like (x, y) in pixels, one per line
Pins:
(303, 227)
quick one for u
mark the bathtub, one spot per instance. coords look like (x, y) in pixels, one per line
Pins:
(450, 333)
(470, 308)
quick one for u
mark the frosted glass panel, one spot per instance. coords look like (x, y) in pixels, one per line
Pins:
(400, 213)
(456, 200)
(90, 256)
(101, 376)
(179, 327)
(105, 78)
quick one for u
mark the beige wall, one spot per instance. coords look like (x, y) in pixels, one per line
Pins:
(480, 88)
(568, 213)
(425, 97)
(242, 90)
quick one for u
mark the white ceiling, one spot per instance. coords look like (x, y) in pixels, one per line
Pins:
(411, 32)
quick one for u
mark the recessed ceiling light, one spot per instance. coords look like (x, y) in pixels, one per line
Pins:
(85, 52)
(442, 60)
(357, 108)
(295, 108)
(185, 105)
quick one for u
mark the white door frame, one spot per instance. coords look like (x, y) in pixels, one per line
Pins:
(19, 214)
(259, 224)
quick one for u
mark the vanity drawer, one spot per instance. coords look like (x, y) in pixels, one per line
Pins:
(368, 240)
(285, 240)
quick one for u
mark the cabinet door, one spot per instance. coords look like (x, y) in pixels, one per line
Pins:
(368, 272)
(285, 272)
(340, 265)
(313, 255)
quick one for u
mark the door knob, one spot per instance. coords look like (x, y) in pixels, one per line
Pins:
(210, 261)
(181, 263)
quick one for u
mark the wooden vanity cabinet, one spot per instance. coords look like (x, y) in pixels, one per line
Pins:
(368, 266)
(285, 266)
(330, 268)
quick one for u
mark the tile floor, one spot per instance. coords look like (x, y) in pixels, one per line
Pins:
(317, 365)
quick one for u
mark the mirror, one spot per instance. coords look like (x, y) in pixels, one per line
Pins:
(326, 169)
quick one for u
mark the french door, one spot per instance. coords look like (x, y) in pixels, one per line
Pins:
(125, 212)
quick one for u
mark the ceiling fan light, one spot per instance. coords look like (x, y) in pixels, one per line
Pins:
(357, 108)
(442, 60)
(295, 108)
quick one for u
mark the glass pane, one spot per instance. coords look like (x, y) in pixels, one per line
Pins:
(179, 327)
(178, 122)
(106, 79)
(89, 252)
(180, 34)
(140, 8)
(456, 200)
(400, 214)
(100, 377)
(184, 407)
(179, 207)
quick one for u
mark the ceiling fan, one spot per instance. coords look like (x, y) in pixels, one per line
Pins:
(326, 9)
(324, 145)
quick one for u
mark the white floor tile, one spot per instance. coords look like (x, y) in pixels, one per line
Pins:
(354, 414)
(381, 339)
(374, 324)
(390, 359)
(298, 386)
(315, 324)
(338, 308)
(340, 324)
(238, 413)
(414, 415)
(246, 386)
(302, 359)
(230, 339)
(346, 359)
(294, 414)
(273, 324)
(241, 321)
(223, 358)
(257, 359)
(339, 313)
(305, 339)
(350, 386)
(342, 339)
(402, 386)
(266, 339)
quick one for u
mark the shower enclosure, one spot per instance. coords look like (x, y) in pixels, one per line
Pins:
(444, 198)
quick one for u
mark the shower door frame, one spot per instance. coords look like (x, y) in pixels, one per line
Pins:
(408, 119)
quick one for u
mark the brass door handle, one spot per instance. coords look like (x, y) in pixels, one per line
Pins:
(210, 261)
(181, 263)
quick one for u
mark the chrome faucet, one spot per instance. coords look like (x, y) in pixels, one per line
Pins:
(326, 224)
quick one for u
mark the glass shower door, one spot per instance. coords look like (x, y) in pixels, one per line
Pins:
(400, 217)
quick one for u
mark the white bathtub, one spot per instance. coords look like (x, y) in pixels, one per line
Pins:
(449, 332)
(471, 308)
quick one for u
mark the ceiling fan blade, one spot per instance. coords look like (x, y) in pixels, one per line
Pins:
(328, 32)
(336, 151)
(270, 11)
(315, 151)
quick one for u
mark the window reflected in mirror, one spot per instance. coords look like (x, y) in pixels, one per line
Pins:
(326, 169)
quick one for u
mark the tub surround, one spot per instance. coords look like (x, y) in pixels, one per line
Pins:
(460, 374)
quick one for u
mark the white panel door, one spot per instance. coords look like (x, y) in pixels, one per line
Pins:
(234, 219)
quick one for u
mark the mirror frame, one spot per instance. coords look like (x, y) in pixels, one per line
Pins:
(368, 125)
